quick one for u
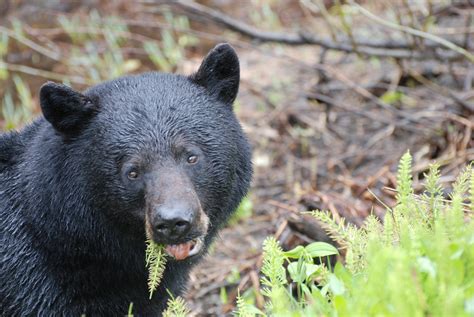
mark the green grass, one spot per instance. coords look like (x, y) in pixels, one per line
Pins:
(418, 262)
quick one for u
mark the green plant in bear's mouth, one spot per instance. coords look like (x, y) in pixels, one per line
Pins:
(156, 263)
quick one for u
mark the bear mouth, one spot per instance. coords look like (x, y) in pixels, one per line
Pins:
(185, 250)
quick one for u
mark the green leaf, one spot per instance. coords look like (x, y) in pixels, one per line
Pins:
(391, 97)
(223, 295)
(335, 285)
(320, 249)
(425, 265)
(294, 253)
(343, 273)
(300, 272)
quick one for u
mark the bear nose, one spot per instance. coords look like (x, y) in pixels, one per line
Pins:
(171, 224)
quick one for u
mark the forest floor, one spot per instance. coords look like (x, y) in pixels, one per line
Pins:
(327, 129)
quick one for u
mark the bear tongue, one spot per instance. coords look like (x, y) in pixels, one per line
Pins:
(180, 251)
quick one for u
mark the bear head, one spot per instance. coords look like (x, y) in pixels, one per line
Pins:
(163, 154)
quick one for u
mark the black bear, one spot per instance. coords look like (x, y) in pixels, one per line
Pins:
(82, 187)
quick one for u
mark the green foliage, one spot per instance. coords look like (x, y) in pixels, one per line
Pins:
(264, 15)
(15, 114)
(4, 40)
(176, 308)
(85, 59)
(130, 310)
(404, 179)
(303, 273)
(156, 264)
(418, 262)
(97, 48)
(392, 96)
(434, 191)
(395, 96)
(274, 278)
(243, 211)
(245, 309)
(167, 54)
(347, 236)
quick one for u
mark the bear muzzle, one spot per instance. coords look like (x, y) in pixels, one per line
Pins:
(174, 215)
(180, 228)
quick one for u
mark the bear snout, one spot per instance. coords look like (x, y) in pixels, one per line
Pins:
(180, 228)
(174, 214)
(173, 222)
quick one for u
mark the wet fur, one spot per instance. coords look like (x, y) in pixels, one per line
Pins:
(73, 236)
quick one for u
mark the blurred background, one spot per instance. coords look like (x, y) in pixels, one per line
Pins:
(332, 94)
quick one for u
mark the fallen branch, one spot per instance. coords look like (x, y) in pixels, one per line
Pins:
(391, 48)
(418, 33)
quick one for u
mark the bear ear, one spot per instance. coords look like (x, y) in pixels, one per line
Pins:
(219, 73)
(66, 109)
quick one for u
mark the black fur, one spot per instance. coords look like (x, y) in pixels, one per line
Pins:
(67, 110)
(73, 234)
(220, 73)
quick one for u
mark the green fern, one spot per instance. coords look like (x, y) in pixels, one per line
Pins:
(156, 264)
(347, 236)
(176, 308)
(244, 309)
(373, 226)
(458, 196)
(272, 264)
(390, 235)
(337, 231)
(460, 187)
(274, 278)
(434, 191)
(433, 188)
(355, 256)
(404, 179)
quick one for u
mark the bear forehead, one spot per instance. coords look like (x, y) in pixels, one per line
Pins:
(158, 108)
(149, 89)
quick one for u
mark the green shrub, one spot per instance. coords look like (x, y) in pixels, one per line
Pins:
(418, 262)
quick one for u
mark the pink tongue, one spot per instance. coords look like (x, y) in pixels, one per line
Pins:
(180, 251)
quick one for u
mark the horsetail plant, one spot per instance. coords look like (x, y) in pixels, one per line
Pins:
(176, 308)
(417, 261)
(156, 264)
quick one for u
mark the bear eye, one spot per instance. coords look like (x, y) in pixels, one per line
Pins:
(192, 159)
(132, 175)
